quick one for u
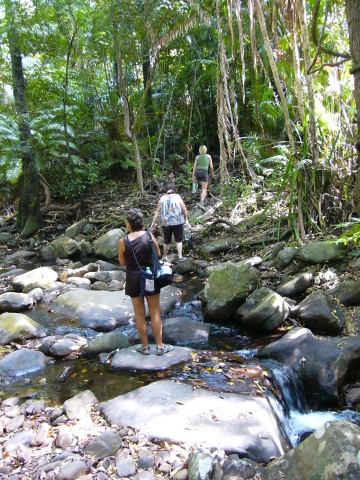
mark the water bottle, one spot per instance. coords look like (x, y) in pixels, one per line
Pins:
(149, 282)
(194, 187)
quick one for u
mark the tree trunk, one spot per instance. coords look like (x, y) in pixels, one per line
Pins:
(28, 220)
(353, 13)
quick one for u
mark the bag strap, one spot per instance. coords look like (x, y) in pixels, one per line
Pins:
(131, 248)
(156, 258)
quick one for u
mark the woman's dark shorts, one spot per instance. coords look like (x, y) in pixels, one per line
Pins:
(202, 175)
(176, 229)
(132, 285)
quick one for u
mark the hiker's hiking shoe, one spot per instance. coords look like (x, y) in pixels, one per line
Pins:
(145, 350)
(164, 349)
(201, 206)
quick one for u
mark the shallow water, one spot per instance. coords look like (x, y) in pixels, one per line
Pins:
(63, 379)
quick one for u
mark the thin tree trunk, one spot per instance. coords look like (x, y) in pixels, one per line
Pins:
(313, 142)
(28, 220)
(353, 13)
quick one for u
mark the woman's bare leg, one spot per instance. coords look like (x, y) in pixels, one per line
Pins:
(203, 191)
(153, 302)
(139, 310)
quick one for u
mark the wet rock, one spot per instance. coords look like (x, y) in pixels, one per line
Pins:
(103, 310)
(227, 288)
(321, 363)
(130, 359)
(106, 276)
(15, 302)
(68, 345)
(321, 313)
(331, 452)
(322, 252)
(42, 277)
(353, 396)
(264, 310)
(186, 266)
(107, 245)
(105, 343)
(22, 362)
(180, 330)
(19, 327)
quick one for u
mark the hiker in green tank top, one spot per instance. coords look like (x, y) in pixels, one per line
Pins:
(201, 172)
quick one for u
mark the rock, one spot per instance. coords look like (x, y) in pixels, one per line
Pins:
(15, 302)
(348, 292)
(125, 467)
(180, 330)
(18, 256)
(219, 245)
(321, 313)
(18, 327)
(243, 424)
(202, 463)
(106, 276)
(78, 407)
(61, 247)
(320, 363)
(103, 310)
(227, 288)
(104, 445)
(73, 470)
(22, 362)
(105, 343)
(353, 397)
(285, 257)
(43, 277)
(130, 359)
(322, 252)
(76, 228)
(186, 266)
(297, 285)
(264, 310)
(332, 452)
(107, 246)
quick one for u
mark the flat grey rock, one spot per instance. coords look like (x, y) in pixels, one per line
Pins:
(178, 413)
(130, 359)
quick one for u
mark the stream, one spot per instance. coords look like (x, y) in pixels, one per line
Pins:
(64, 379)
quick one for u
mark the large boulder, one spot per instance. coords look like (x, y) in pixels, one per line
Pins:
(331, 452)
(347, 292)
(321, 313)
(264, 310)
(177, 412)
(105, 343)
(320, 363)
(322, 252)
(107, 246)
(16, 327)
(103, 310)
(61, 247)
(226, 289)
(43, 277)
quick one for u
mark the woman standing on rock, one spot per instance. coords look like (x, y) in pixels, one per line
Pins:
(135, 251)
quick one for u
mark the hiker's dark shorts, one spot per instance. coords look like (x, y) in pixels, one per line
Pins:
(202, 175)
(178, 233)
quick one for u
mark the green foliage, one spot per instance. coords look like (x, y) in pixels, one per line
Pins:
(350, 233)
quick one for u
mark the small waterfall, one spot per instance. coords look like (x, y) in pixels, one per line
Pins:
(289, 387)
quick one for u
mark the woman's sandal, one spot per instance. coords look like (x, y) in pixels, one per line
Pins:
(145, 350)
(164, 349)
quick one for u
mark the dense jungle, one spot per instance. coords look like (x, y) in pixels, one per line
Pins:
(103, 103)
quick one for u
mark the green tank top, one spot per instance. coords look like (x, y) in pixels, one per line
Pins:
(203, 162)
